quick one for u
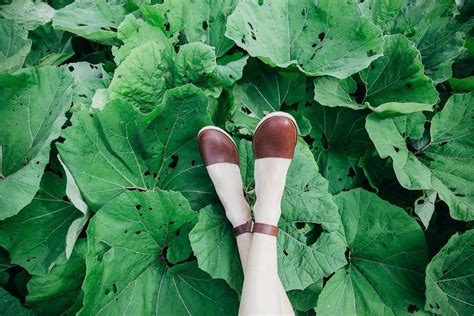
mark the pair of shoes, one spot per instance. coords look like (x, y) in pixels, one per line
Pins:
(275, 137)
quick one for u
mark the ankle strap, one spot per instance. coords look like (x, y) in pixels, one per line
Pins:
(251, 227)
(246, 227)
(265, 229)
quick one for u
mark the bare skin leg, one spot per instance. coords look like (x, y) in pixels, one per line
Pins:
(228, 184)
(263, 293)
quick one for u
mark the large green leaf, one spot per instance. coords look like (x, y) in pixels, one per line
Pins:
(330, 38)
(119, 152)
(443, 162)
(50, 47)
(32, 107)
(14, 46)
(387, 257)
(94, 20)
(28, 14)
(11, 306)
(310, 244)
(140, 226)
(450, 277)
(56, 293)
(36, 237)
(134, 32)
(430, 25)
(199, 20)
(337, 140)
(150, 70)
(263, 90)
(213, 243)
(393, 83)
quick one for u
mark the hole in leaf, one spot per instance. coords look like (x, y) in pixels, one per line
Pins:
(147, 173)
(167, 26)
(299, 225)
(313, 235)
(351, 173)
(321, 36)
(65, 199)
(303, 13)
(174, 161)
(285, 252)
(138, 206)
(205, 25)
(138, 232)
(396, 149)
(178, 232)
(413, 308)
(71, 68)
(250, 24)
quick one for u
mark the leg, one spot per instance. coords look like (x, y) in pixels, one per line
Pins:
(263, 292)
(228, 184)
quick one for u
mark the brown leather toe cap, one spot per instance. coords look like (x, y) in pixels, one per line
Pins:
(217, 147)
(275, 137)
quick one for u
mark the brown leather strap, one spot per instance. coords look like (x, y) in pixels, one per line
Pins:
(244, 228)
(265, 229)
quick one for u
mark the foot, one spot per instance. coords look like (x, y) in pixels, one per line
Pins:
(221, 159)
(274, 146)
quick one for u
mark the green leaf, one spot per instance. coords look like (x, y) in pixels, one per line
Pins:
(134, 32)
(49, 47)
(307, 299)
(310, 245)
(263, 90)
(119, 152)
(444, 164)
(387, 88)
(450, 277)
(28, 14)
(139, 226)
(144, 76)
(11, 306)
(425, 206)
(4, 266)
(56, 293)
(36, 237)
(381, 12)
(88, 78)
(330, 38)
(14, 46)
(387, 256)
(213, 243)
(429, 25)
(200, 21)
(32, 107)
(95, 20)
(330, 91)
(229, 69)
(337, 150)
(74, 195)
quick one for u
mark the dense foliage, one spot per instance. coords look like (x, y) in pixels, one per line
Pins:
(106, 208)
